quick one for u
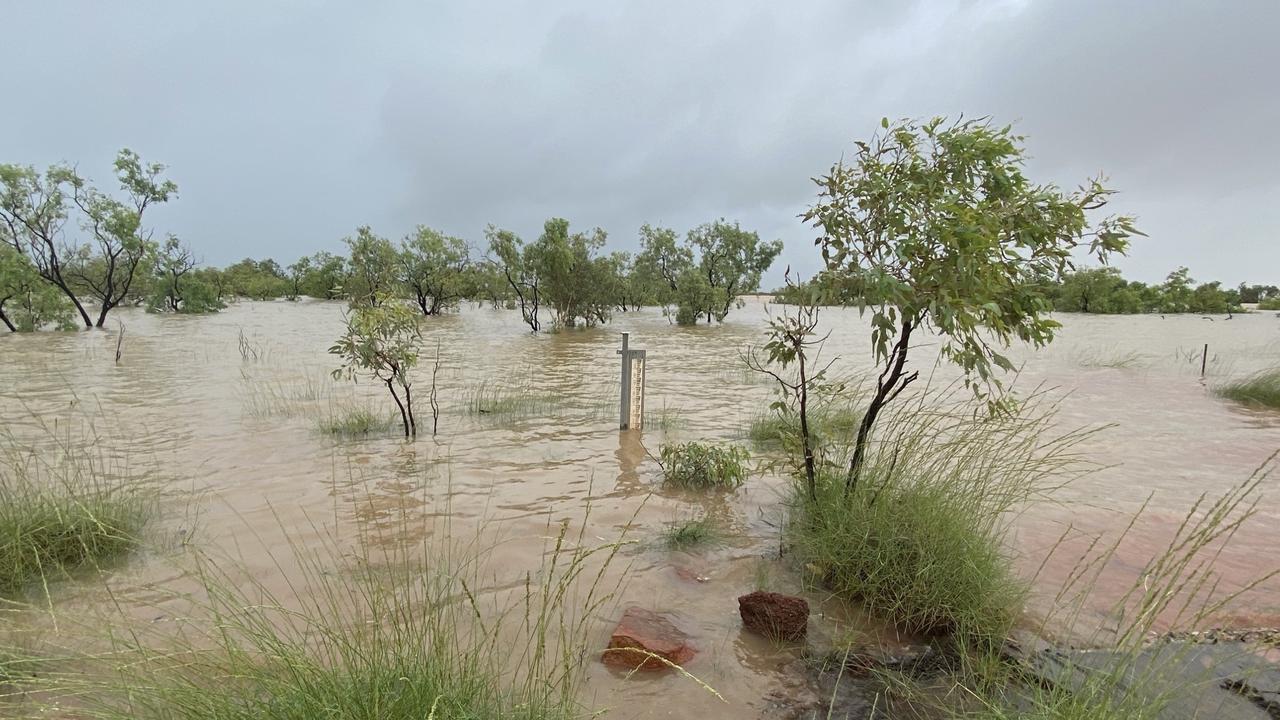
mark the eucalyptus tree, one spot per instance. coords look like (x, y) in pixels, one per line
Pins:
(508, 253)
(381, 342)
(297, 270)
(433, 267)
(731, 260)
(175, 285)
(324, 276)
(36, 209)
(660, 262)
(374, 269)
(27, 301)
(938, 221)
(575, 280)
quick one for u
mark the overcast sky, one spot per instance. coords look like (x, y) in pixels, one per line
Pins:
(288, 124)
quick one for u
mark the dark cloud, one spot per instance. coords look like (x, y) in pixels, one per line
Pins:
(288, 124)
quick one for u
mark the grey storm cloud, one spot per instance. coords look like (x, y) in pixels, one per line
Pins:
(288, 124)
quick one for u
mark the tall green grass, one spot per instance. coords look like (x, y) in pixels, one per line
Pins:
(920, 541)
(406, 634)
(1261, 389)
(65, 506)
(686, 534)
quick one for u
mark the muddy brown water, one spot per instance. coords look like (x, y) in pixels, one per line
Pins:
(226, 406)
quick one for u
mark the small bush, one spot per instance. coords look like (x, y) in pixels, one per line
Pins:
(690, 533)
(1270, 304)
(828, 425)
(697, 465)
(1260, 389)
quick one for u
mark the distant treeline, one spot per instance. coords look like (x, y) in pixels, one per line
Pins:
(53, 277)
(1089, 290)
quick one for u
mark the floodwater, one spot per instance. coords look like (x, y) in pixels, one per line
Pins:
(226, 408)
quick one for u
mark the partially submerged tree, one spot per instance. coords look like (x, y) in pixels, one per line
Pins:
(175, 287)
(35, 209)
(731, 260)
(508, 252)
(433, 267)
(381, 342)
(939, 223)
(27, 301)
(374, 268)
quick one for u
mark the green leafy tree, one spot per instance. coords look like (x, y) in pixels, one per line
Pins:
(1176, 294)
(175, 287)
(374, 268)
(256, 279)
(36, 208)
(510, 258)
(574, 280)
(324, 276)
(731, 260)
(660, 263)
(381, 342)
(433, 267)
(938, 221)
(27, 301)
(297, 270)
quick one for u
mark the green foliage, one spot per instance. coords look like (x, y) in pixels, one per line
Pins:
(941, 227)
(174, 288)
(512, 261)
(1269, 304)
(354, 421)
(731, 260)
(381, 342)
(920, 540)
(703, 276)
(35, 209)
(690, 533)
(321, 275)
(374, 268)
(255, 279)
(561, 270)
(700, 466)
(27, 301)
(433, 267)
(1261, 389)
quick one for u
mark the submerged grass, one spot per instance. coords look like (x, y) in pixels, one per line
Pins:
(355, 421)
(1261, 389)
(1110, 358)
(506, 403)
(411, 633)
(691, 533)
(64, 507)
(830, 423)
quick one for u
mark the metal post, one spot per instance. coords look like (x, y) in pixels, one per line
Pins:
(624, 402)
(1204, 359)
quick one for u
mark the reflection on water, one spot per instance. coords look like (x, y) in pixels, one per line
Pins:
(242, 429)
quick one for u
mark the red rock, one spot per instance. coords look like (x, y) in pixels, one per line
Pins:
(774, 615)
(642, 631)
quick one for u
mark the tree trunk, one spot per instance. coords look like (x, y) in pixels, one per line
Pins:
(404, 418)
(887, 388)
(408, 403)
(5, 318)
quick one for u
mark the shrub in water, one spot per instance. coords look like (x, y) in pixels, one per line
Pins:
(698, 465)
(1260, 389)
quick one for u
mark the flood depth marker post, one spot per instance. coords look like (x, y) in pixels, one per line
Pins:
(631, 401)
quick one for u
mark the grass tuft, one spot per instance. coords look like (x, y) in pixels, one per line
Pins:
(690, 533)
(350, 422)
(919, 540)
(61, 511)
(1259, 389)
(700, 466)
